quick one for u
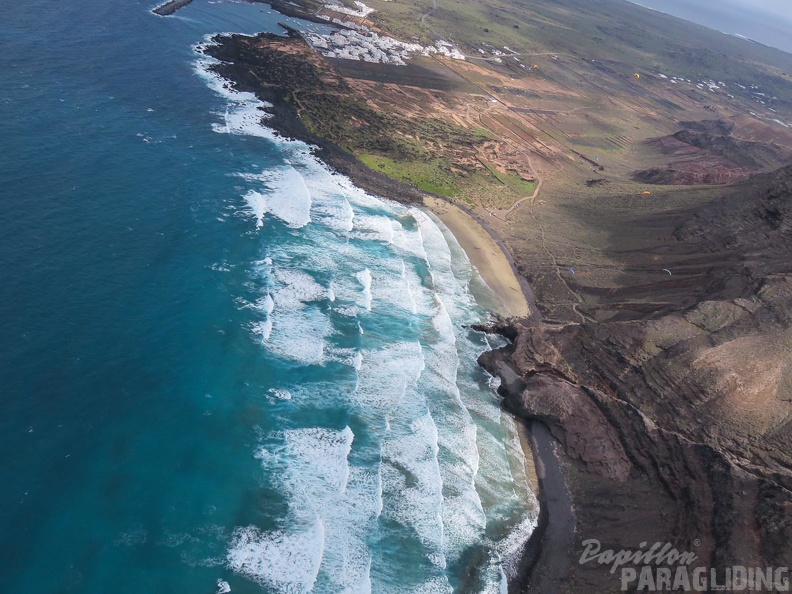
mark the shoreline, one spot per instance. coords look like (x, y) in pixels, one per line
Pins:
(484, 248)
(546, 554)
(486, 255)
(486, 251)
(230, 51)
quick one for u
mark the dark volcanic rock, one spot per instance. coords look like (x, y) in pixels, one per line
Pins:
(279, 70)
(677, 425)
(690, 174)
(742, 153)
(706, 152)
(170, 7)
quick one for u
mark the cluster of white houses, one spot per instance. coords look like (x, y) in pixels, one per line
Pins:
(368, 46)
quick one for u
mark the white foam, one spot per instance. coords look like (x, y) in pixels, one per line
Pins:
(375, 227)
(293, 329)
(334, 213)
(223, 587)
(257, 203)
(386, 374)
(364, 276)
(287, 197)
(266, 304)
(300, 335)
(296, 288)
(331, 506)
(280, 394)
(460, 438)
(410, 240)
(245, 110)
(305, 255)
(412, 488)
(400, 287)
(510, 548)
(408, 286)
(322, 455)
(385, 281)
(288, 561)
(436, 585)
(263, 329)
(345, 355)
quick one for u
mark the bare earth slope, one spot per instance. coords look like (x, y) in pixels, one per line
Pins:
(675, 427)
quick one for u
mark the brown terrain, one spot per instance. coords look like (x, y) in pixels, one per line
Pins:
(648, 206)
(717, 152)
(675, 426)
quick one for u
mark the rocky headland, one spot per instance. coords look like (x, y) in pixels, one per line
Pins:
(674, 426)
(279, 70)
(170, 7)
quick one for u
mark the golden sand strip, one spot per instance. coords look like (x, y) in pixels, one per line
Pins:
(485, 255)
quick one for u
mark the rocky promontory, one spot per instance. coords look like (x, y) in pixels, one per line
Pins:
(673, 426)
(286, 73)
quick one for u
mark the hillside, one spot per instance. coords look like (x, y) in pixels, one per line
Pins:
(675, 426)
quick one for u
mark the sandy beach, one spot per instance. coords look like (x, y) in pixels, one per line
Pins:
(485, 254)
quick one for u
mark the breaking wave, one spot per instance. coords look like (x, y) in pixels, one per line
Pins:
(393, 434)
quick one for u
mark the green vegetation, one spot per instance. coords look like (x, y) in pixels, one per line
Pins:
(430, 176)
(487, 186)
(484, 133)
(513, 181)
(353, 125)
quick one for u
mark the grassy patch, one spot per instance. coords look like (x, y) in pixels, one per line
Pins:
(513, 181)
(484, 133)
(517, 184)
(430, 176)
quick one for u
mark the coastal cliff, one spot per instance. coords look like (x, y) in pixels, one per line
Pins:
(674, 426)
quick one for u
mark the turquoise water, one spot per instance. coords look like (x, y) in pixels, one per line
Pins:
(222, 366)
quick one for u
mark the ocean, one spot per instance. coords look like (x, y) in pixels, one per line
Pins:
(734, 17)
(223, 367)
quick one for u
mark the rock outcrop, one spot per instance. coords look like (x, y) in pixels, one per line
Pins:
(676, 426)
(708, 152)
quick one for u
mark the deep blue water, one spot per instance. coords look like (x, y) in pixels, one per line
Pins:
(217, 360)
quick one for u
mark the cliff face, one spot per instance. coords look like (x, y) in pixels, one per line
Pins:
(677, 426)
